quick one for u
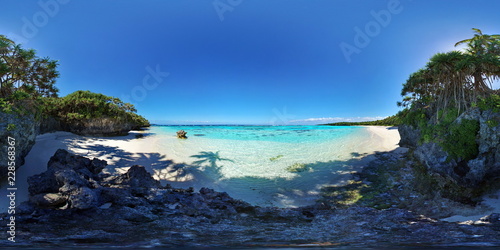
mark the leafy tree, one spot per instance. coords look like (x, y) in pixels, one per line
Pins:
(449, 84)
(27, 85)
(481, 43)
(482, 61)
(455, 79)
(81, 105)
(21, 70)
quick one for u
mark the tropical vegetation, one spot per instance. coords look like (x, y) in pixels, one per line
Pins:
(22, 71)
(27, 85)
(394, 120)
(450, 84)
(456, 79)
(85, 105)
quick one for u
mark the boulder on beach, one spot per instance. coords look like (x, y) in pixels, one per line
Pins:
(181, 134)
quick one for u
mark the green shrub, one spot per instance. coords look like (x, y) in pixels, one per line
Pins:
(491, 102)
(431, 132)
(74, 116)
(457, 139)
(20, 95)
(460, 142)
(492, 123)
(414, 118)
(6, 106)
(87, 105)
(11, 127)
(447, 116)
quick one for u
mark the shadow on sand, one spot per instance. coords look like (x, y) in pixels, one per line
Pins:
(206, 171)
(301, 190)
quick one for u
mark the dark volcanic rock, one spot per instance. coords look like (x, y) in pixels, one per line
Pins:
(23, 130)
(410, 136)
(51, 124)
(137, 176)
(435, 159)
(83, 198)
(62, 159)
(87, 212)
(484, 168)
(68, 178)
(49, 200)
(136, 214)
(137, 180)
(43, 183)
(101, 127)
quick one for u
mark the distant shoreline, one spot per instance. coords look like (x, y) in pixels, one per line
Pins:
(261, 125)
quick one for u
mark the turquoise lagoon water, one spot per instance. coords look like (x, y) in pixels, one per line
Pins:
(250, 162)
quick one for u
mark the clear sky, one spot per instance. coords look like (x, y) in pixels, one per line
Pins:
(245, 61)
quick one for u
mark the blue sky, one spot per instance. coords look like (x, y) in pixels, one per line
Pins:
(245, 61)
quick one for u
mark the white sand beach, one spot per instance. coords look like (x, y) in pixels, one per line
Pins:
(388, 137)
(124, 151)
(489, 205)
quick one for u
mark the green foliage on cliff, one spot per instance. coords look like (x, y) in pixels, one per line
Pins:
(448, 85)
(458, 139)
(434, 132)
(413, 117)
(27, 86)
(81, 105)
(460, 142)
(491, 102)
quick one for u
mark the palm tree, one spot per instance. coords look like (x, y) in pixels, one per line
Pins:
(455, 79)
(483, 60)
(480, 43)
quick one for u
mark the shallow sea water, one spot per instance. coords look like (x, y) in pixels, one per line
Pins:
(250, 162)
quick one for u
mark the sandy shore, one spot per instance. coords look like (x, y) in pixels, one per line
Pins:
(387, 137)
(124, 151)
(489, 205)
(103, 148)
